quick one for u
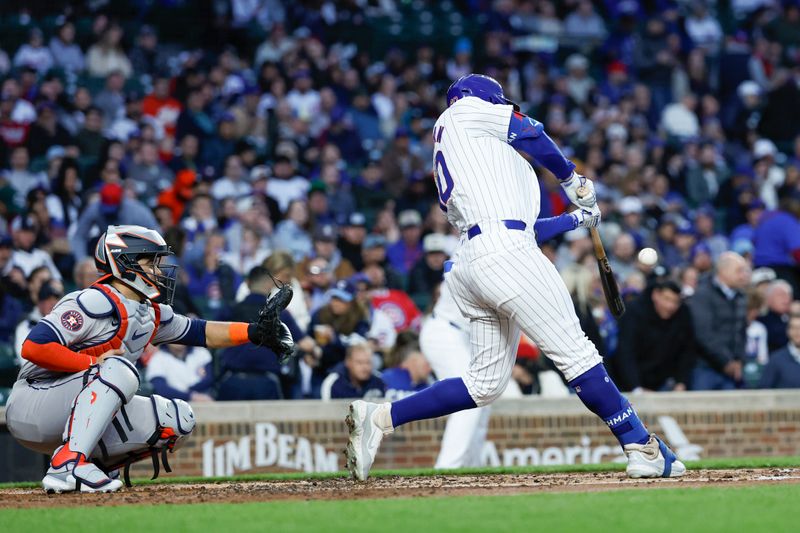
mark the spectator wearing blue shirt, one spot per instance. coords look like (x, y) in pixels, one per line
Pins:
(252, 372)
(340, 323)
(354, 378)
(11, 309)
(747, 230)
(405, 253)
(112, 207)
(413, 375)
(783, 369)
(778, 297)
(212, 283)
(181, 372)
(777, 240)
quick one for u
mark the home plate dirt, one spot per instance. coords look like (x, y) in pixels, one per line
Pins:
(392, 487)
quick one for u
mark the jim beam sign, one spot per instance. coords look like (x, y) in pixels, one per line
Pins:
(269, 448)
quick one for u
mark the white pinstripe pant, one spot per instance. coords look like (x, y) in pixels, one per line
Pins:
(503, 283)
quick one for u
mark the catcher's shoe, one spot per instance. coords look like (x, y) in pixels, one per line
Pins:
(70, 471)
(652, 459)
(368, 423)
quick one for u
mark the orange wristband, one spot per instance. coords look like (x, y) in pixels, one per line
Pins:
(238, 332)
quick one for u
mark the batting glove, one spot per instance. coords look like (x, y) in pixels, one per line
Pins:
(570, 185)
(586, 218)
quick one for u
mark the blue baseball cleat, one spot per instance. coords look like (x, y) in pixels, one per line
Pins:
(653, 459)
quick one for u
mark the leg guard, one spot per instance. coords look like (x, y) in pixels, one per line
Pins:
(112, 385)
(601, 396)
(145, 428)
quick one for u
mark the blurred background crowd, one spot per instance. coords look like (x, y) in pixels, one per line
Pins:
(294, 138)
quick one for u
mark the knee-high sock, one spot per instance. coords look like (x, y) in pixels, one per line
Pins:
(599, 393)
(441, 398)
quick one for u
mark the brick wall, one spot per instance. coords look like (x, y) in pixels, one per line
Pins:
(308, 435)
(529, 431)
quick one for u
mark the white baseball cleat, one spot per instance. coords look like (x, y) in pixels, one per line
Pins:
(69, 471)
(367, 423)
(652, 459)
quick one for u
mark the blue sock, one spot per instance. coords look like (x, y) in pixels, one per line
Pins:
(601, 396)
(442, 398)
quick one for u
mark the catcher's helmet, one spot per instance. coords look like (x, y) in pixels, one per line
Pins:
(483, 87)
(118, 253)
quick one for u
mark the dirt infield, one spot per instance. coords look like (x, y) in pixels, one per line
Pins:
(391, 487)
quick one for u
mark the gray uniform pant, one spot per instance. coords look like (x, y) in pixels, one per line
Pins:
(37, 414)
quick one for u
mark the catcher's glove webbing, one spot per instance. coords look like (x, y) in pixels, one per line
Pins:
(269, 331)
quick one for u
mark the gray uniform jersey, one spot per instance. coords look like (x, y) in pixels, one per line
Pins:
(89, 317)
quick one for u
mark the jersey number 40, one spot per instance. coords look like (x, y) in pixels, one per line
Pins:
(441, 175)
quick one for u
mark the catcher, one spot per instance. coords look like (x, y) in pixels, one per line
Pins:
(75, 394)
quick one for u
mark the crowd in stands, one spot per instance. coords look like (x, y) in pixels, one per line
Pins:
(292, 140)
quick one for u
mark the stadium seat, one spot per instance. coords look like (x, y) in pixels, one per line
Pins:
(5, 392)
(8, 365)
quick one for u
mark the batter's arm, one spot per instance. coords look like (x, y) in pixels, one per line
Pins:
(552, 227)
(527, 135)
(549, 228)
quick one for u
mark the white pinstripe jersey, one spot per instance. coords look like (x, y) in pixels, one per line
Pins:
(479, 176)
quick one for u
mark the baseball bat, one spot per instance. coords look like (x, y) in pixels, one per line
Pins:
(610, 288)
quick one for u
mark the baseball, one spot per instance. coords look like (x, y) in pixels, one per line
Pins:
(648, 257)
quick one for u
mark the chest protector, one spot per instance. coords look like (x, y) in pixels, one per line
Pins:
(134, 321)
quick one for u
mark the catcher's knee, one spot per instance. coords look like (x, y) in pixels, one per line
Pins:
(174, 422)
(120, 376)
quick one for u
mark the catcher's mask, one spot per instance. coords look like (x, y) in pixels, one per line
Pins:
(118, 255)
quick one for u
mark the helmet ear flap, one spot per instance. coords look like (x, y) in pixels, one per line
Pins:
(100, 256)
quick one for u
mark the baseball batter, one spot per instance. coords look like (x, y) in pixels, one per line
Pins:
(75, 394)
(444, 339)
(502, 282)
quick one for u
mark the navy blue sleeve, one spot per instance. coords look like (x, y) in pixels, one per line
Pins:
(362, 328)
(208, 379)
(311, 323)
(548, 228)
(195, 335)
(341, 389)
(294, 329)
(161, 388)
(527, 135)
(41, 333)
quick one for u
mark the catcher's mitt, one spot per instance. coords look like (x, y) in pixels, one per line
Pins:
(269, 331)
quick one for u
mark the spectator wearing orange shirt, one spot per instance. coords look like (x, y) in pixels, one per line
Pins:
(161, 106)
(177, 196)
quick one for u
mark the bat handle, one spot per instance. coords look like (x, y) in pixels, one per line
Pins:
(599, 249)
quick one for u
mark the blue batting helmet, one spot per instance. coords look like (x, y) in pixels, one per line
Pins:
(483, 87)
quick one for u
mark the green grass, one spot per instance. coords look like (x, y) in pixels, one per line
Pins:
(715, 464)
(769, 508)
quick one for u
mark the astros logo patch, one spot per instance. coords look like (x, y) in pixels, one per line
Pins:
(72, 320)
